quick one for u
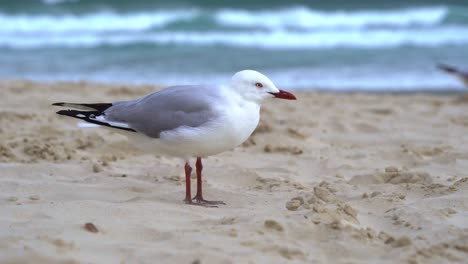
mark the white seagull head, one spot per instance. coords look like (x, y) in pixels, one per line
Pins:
(255, 86)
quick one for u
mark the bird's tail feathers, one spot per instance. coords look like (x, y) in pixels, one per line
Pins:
(86, 125)
(94, 117)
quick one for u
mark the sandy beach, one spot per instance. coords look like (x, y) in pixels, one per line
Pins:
(329, 178)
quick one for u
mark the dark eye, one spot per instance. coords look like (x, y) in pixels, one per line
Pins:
(259, 85)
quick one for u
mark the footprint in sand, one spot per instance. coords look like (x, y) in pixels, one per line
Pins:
(47, 149)
(283, 149)
(6, 154)
(366, 128)
(296, 134)
(381, 111)
(139, 189)
(323, 206)
(273, 225)
(394, 176)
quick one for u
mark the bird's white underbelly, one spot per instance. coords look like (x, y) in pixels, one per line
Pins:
(214, 137)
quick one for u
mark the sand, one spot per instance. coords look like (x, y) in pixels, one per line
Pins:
(329, 178)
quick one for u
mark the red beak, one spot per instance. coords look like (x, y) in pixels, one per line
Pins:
(284, 95)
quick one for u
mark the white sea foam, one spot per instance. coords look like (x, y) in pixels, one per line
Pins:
(305, 18)
(55, 2)
(369, 38)
(95, 22)
(295, 18)
(298, 27)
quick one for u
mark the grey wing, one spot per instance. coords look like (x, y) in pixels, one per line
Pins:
(167, 109)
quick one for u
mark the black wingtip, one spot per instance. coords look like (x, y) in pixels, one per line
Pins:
(63, 112)
(58, 104)
(89, 116)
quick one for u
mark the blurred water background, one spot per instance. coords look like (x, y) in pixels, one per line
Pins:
(339, 45)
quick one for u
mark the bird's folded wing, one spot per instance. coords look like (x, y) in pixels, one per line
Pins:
(173, 107)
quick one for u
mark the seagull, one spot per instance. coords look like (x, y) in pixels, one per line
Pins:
(462, 75)
(187, 121)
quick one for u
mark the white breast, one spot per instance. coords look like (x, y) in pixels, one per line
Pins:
(236, 121)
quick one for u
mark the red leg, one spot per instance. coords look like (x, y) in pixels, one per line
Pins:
(188, 172)
(199, 196)
(199, 168)
(188, 194)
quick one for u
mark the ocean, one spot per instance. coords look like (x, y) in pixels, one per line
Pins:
(337, 45)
